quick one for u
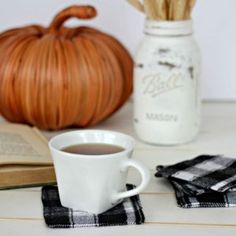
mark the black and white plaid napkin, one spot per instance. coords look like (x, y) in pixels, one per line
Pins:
(129, 212)
(205, 181)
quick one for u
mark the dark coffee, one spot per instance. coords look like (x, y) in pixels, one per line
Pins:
(93, 149)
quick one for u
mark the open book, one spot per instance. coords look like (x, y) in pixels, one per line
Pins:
(25, 158)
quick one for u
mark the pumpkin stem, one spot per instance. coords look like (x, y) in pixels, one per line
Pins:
(80, 12)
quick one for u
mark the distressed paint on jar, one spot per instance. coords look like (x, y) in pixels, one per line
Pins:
(166, 84)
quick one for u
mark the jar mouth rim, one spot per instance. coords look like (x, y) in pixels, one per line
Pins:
(171, 24)
(184, 27)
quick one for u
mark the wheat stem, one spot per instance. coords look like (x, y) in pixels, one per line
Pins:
(137, 4)
(172, 10)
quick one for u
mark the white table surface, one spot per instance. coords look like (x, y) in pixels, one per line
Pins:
(21, 209)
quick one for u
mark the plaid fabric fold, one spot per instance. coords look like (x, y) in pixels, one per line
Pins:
(217, 173)
(56, 216)
(186, 197)
(205, 181)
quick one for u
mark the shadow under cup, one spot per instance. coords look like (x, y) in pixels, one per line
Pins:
(94, 183)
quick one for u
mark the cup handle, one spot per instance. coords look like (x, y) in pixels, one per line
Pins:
(145, 174)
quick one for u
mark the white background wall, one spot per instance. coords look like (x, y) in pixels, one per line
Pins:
(215, 30)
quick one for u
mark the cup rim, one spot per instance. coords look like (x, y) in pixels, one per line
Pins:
(73, 155)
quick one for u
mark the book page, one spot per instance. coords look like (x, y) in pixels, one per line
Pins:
(23, 145)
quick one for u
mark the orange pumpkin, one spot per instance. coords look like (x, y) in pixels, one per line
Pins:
(58, 76)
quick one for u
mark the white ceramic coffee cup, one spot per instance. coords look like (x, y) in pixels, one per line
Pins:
(94, 183)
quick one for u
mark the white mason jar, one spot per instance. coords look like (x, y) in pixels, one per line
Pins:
(166, 84)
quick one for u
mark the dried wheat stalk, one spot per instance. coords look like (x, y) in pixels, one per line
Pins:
(137, 4)
(172, 10)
